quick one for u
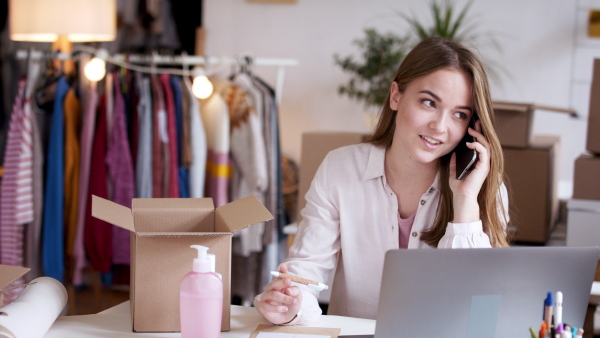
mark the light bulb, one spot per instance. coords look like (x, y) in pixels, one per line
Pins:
(202, 87)
(95, 69)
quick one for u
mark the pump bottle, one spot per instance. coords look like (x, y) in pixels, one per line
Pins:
(201, 299)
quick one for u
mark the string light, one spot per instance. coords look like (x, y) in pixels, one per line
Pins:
(95, 69)
(201, 87)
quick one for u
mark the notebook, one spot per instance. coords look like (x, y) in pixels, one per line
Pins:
(481, 292)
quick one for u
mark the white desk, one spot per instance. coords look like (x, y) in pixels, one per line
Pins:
(116, 322)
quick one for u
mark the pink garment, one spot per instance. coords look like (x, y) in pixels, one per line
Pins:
(404, 227)
(120, 168)
(173, 185)
(86, 139)
(217, 177)
(16, 194)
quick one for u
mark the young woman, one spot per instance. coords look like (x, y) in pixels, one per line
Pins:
(399, 189)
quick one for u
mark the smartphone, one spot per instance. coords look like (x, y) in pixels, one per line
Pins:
(465, 157)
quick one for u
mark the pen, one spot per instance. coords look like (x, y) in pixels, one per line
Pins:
(548, 310)
(533, 334)
(309, 283)
(559, 307)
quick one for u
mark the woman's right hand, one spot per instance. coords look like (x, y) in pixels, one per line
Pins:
(281, 301)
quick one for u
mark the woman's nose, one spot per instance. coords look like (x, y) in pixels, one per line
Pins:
(439, 123)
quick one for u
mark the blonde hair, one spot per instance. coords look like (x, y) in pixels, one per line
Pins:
(426, 57)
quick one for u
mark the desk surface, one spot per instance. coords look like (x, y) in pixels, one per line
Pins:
(116, 322)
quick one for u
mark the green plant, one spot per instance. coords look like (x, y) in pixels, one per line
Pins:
(371, 76)
(445, 23)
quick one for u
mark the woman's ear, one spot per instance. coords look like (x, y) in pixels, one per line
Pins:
(394, 96)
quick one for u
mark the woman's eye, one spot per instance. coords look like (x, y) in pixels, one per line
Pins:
(461, 115)
(429, 103)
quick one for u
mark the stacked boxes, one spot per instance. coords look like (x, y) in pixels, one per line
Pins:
(583, 218)
(531, 169)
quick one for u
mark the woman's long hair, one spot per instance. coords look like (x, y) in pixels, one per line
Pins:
(426, 57)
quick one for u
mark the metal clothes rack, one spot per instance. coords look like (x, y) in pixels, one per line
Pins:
(132, 61)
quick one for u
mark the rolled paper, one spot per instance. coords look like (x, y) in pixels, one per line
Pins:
(34, 310)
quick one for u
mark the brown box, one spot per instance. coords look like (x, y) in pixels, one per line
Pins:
(514, 122)
(9, 274)
(593, 129)
(162, 230)
(315, 146)
(533, 183)
(586, 182)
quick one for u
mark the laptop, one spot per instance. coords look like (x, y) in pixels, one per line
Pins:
(479, 293)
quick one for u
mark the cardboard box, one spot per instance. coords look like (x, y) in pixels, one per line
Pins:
(315, 146)
(586, 182)
(583, 222)
(532, 175)
(514, 122)
(162, 230)
(9, 274)
(593, 129)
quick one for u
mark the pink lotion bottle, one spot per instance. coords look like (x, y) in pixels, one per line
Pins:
(201, 299)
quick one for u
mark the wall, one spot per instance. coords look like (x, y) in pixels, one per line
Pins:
(537, 39)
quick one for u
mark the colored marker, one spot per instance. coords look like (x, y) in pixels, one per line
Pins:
(559, 307)
(309, 283)
(548, 310)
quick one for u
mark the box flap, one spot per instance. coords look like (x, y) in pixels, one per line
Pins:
(240, 214)
(9, 274)
(173, 214)
(112, 212)
(512, 106)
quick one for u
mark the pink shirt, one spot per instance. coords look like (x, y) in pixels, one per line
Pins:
(404, 227)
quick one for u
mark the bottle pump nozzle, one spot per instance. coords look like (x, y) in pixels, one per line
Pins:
(201, 263)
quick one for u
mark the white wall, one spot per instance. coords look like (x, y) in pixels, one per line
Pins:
(538, 40)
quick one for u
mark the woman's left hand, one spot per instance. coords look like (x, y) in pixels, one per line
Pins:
(465, 191)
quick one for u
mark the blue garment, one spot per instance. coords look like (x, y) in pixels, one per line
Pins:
(184, 181)
(53, 248)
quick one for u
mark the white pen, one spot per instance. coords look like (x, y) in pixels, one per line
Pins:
(559, 308)
(309, 283)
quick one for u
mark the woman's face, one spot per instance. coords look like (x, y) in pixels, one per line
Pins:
(433, 115)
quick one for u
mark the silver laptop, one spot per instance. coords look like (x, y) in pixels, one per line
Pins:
(479, 293)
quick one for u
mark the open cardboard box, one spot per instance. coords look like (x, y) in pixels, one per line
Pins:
(162, 230)
(9, 274)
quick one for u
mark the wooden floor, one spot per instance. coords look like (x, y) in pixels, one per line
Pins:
(95, 298)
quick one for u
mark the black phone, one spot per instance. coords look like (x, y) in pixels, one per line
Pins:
(465, 157)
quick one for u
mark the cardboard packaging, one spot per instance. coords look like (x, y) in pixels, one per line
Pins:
(583, 222)
(593, 129)
(586, 182)
(315, 146)
(9, 274)
(514, 122)
(162, 230)
(533, 183)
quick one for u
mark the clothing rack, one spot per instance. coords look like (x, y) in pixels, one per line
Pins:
(132, 61)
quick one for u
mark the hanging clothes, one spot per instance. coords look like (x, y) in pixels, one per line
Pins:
(52, 231)
(72, 126)
(199, 145)
(120, 169)
(86, 140)
(158, 138)
(215, 116)
(39, 119)
(16, 199)
(143, 170)
(250, 175)
(182, 172)
(98, 233)
(172, 179)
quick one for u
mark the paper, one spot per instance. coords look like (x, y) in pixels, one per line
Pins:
(34, 311)
(277, 331)
(288, 335)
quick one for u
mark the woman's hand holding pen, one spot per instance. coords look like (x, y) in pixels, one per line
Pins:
(465, 191)
(281, 301)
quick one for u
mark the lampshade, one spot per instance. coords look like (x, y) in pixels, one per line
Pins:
(77, 20)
